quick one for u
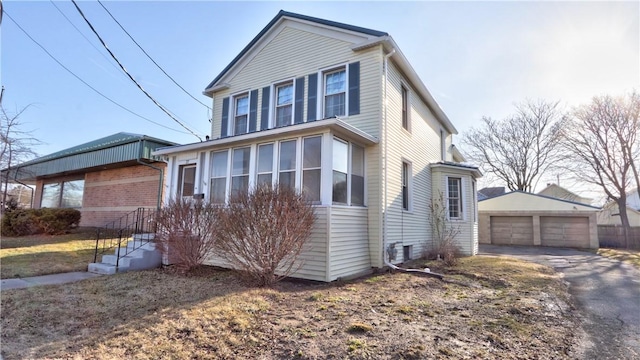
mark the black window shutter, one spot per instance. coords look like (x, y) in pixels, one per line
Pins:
(299, 98)
(354, 88)
(225, 117)
(264, 116)
(312, 97)
(253, 110)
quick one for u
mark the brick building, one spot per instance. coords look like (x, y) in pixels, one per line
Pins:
(104, 179)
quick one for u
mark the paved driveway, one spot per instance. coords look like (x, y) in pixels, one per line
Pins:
(606, 291)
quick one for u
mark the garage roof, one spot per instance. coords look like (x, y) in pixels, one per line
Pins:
(523, 201)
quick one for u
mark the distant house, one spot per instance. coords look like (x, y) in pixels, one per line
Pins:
(104, 179)
(337, 112)
(558, 192)
(489, 192)
(610, 214)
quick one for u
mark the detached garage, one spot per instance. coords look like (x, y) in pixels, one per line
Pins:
(519, 218)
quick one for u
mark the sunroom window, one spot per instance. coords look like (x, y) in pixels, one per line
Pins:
(340, 169)
(454, 195)
(265, 164)
(311, 167)
(287, 168)
(219, 176)
(357, 175)
(240, 170)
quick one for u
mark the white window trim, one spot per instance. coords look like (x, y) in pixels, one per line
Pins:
(181, 170)
(462, 198)
(227, 173)
(406, 87)
(321, 87)
(302, 168)
(273, 161)
(409, 185)
(274, 101)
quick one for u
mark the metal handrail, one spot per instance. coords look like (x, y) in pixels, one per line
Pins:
(120, 232)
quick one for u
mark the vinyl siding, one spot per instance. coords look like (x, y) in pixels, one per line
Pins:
(467, 238)
(313, 257)
(420, 146)
(293, 53)
(349, 252)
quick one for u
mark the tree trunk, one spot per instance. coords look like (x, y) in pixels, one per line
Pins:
(624, 219)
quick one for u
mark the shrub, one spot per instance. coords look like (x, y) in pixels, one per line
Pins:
(262, 232)
(186, 232)
(444, 245)
(21, 222)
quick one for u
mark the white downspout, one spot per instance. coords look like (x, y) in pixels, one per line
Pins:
(426, 271)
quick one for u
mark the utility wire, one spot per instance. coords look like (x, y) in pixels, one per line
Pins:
(86, 38)
(149, 56)
(84, 82)
(129, 75)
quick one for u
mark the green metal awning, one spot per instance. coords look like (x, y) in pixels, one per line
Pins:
(108, 151)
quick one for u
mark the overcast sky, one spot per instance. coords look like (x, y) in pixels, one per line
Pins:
(476, 58)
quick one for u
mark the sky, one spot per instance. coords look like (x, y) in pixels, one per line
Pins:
(476, 58)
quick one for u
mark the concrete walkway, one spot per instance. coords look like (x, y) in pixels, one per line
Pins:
(52, 279)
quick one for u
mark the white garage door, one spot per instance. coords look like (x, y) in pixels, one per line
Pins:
(512, 230)
(564, 231)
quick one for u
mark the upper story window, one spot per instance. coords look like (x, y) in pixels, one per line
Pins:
(405, 107)
(454, 197)
(335, 93)
(241, 114)
(284, 104)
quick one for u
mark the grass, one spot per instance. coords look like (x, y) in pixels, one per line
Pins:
(210, 314)
(46, 254)
(629, 256)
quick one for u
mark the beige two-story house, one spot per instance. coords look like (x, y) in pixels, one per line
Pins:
(337, 112)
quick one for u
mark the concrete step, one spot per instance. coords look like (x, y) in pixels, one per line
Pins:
(144, 236)
(101, 268)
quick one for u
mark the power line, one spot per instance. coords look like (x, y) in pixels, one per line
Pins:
(149, 56)
(86, 38)
(129, 75)
(84, 82)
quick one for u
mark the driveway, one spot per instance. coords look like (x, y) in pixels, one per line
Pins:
(607, 292)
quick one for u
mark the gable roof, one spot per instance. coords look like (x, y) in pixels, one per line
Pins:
(522, 201)
(375, 37)
(489, 192)
(280, 15)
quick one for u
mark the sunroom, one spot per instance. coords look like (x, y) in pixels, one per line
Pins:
(325, 159)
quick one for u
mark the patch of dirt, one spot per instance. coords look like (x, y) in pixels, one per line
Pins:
(485, 310)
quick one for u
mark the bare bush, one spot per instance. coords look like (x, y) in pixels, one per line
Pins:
(444, 234)
(263, 232)
(187, 232)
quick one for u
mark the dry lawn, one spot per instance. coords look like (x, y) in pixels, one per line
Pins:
(489, 308)
(46, 254)
(629, 256)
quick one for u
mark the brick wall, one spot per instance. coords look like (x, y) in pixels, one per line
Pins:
(110, 194)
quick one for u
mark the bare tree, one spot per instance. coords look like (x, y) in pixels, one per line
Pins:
(264, 231)
(601, 141)
(519, 149)
(16, 146)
